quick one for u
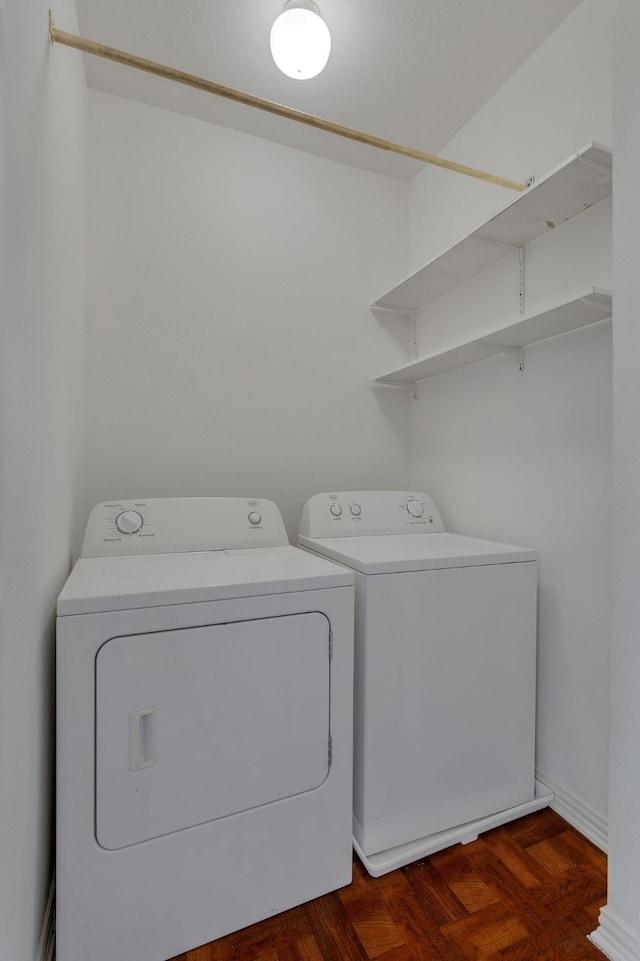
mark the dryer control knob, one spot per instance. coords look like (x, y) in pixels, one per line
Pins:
(336, 510)
(254, 517)
(355, 509)
(415, 509)
(129, 522)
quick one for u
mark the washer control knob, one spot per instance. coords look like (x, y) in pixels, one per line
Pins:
(355, 509)
(254, 517)
(336, 510)
(129, 522)
(415, 509)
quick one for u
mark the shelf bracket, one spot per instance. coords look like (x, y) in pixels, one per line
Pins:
(414, 348)
(410, 313)
(492, 349)
(600, 303)
(492, 242)
(414, 336)
(521, 271)
(390, 309)
(595, 165)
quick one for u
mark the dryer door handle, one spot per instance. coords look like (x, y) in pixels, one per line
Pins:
(142, 739)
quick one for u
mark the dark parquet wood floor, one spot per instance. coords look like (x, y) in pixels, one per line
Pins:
(528, 891)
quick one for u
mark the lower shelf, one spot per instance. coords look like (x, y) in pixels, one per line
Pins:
(590, 307)
(385, 861)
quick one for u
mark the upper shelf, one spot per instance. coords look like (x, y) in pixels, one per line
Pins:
(589, 308)
(578, 183)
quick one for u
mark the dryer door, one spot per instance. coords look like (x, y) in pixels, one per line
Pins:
(202, 723)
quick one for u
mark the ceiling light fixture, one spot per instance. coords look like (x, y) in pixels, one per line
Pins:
(300, 40)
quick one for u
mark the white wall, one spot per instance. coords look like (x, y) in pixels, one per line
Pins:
(525, 457)
(230, 344)
(618, 933)
(42, 382)
(558, 101)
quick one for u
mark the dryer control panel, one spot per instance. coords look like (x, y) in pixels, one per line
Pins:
(358, 513)
(167, 525)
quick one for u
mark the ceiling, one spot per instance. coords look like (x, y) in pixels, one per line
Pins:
(410, 71)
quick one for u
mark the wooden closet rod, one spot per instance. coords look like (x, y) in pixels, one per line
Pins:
(178, 76)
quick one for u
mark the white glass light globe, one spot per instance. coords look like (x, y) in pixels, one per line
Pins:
(300, 41)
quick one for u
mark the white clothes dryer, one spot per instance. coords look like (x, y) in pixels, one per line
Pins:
(445, 673)
(204, 727)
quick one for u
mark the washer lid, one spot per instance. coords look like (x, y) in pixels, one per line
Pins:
(99, 584)
(391, 553)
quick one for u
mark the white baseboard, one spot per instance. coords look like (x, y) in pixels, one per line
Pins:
(47, 945)
(614, 939)
(577, 812)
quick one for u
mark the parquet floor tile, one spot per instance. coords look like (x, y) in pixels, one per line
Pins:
(535, 827)
(486, 932)
(376, 929)
(528, 891)
(514, 858)
(432, 889)
(550, 856)
(473, 892)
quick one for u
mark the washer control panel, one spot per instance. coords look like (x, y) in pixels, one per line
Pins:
(179, 524)
(351, 513)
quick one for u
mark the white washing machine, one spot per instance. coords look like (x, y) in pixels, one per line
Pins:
(204, 727)
(445, 673)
